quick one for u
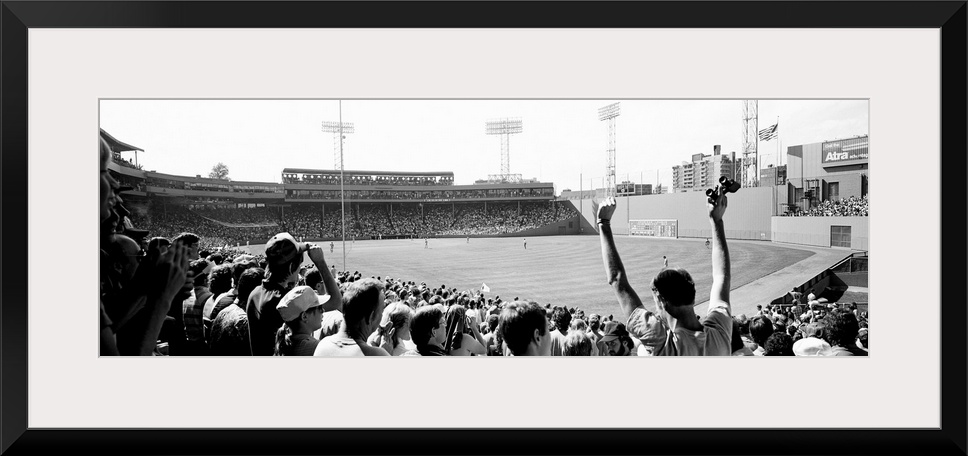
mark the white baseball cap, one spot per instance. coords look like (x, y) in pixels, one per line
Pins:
(299, 300)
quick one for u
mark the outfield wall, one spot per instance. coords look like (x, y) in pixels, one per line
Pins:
(815, 231)
(748, 215)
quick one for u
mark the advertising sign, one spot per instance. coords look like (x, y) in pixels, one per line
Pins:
(845, 149)
(655, 228)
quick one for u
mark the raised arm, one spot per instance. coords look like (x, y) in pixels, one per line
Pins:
(332, 287)
(168, 278)
(719, 293)
(614, 270)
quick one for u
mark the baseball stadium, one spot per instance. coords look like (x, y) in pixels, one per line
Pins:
(797, 234)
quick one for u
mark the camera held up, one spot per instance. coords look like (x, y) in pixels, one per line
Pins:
(726, 185)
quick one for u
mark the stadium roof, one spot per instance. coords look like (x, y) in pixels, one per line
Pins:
(118, 146)
(347, 171)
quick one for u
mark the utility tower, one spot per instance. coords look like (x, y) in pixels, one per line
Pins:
(504, 128)
(608, 114)
(339, 131)
(750, 176)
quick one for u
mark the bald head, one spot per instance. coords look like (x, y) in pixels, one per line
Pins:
(124, 253)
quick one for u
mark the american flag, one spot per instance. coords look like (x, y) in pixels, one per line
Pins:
(768, 133)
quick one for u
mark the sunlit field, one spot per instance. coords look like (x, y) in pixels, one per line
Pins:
(561, 270)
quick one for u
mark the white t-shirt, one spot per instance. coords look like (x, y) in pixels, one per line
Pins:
(713, 340)
(403, 347)
(335, 346)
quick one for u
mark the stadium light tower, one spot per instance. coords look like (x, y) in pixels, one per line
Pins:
(339, 131)
(750, 140)
(608, 114)
(505, 128)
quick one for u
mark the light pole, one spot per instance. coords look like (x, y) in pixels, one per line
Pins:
(340, 129)
(608, 114)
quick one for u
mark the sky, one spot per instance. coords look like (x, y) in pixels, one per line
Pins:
(562, 141)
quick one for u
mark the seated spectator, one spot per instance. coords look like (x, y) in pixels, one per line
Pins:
(193, 305)
(363, 305)
(675, 330)
(228, 298)
(617, 340)
(302, 311)
(862, 339)
(577, 343)
(395, 326)
(219, 284)
(429, 331)
(761, 328)
(562, 321)
(157, 246)
(332, 321)
(738, 345)
(491, 340)
(524, 328)
(230, 329)
(812, 343)
(779, 344)
(840, 331)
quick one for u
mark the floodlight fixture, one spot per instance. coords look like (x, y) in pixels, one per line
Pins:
(608, 112)
(339, 131)
(505, 128)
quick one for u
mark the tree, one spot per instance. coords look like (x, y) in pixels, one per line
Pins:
(219, 171)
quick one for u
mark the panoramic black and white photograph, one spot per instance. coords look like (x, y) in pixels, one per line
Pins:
(484, 227)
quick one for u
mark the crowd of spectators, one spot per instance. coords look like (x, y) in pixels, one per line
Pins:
(245, 216)
(218, 227)
(427, 195)
(502, 218)
(851, 206)
(358, 179)
(175, 219)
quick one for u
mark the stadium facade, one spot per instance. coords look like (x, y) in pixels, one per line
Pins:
(827, 171)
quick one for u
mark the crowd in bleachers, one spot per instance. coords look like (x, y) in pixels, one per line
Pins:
(247, 216)
(175, 219)
(428, 195)
(353, 179)
(220, 226)
(851, 206)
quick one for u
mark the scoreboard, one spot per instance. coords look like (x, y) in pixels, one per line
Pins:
(654, 227)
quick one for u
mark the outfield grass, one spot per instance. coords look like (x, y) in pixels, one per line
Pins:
(562, 270)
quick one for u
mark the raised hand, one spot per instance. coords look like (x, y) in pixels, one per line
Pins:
(606, 208)
(717, 207)
(387, 340)
(316, 254)
(171, 271)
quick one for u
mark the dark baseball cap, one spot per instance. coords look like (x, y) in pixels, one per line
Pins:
(283, 248)
(614, 330)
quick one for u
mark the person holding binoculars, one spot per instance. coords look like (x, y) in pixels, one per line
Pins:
(674, 329)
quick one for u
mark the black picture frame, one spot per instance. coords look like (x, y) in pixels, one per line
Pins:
(17, 17)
